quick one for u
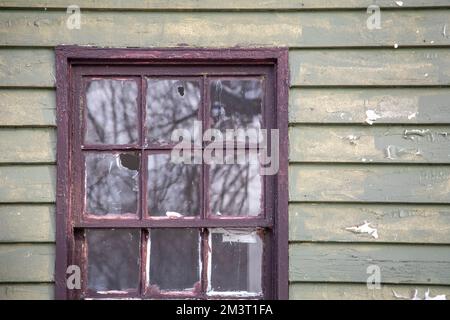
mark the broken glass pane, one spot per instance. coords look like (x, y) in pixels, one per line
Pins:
(171, 104)
(174, 258)
(236, 104)
(112, 183)
(236, 189)
(173, 189)
(113, 259)
(236, 260)
(111, 112)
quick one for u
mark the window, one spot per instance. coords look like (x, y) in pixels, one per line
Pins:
(161, 192)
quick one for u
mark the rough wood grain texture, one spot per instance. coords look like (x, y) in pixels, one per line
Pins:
(27, 223)
(41, 291)
(26, 67)
(370, 144)
(349, 291)
(412, 264)
(28, 145)
(221, 5)
(394, 223)
(370, 183)
(27, 107)
(224, 29)
(384, 67)
(27, 262)
(34, 183)
(391, 105)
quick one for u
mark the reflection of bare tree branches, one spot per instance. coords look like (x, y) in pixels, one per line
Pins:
(169, 108)
(112, 111)
(235, 189)
(113, 259)
(172, 187)
(110, 186)
(236, 104)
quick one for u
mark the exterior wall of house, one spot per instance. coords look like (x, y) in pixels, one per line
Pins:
(393, 173)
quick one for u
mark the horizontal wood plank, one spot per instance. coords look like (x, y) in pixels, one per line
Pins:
(40, 291)
(401, 264)
(27, 107)
(350, 291)
(370, 183)
(28, 145)
(382, 144)
(221, 5)
(27, 223)
(27, 67)
(30, 183)
(390, 105)
(384, 67)
(27, 262)
(224, 29)
(394, 223)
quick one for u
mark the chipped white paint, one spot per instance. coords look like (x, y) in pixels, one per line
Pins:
(412, 115)
(364, 228)
(416, 296)
(233, 293)
(395, 45)
(351, 138)
(444, 31)
(390, 152)
(112, 292)
(173, 214)
(412, 133)
(371, 116)
(399, 3)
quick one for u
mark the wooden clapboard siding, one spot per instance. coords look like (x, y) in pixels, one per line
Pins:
(28, 145)
(370, 183)
(340, 172)
(349, 105)
(39, 291)
(394, 223)
(27, 262)
(368, 67)
(351, 291)
(27, 223)
(401, 264)
(27, 107)
(382, 144)
(164, 5)
(311, 67)
(28, 183)
(295, 29)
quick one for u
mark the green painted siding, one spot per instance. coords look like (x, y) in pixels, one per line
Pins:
(394, 173)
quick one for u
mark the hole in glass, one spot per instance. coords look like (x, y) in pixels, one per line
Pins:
(113, 259)
(112, 183)
(111, 112)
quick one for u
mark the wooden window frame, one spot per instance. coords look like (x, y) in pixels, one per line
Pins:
(70, 58)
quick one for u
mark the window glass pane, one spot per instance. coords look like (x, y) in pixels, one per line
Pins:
(111, 112)
(174, 258)
(236, 260)
(112, 183)
(171, 104)
(236, 104)
(236, 189)
(173, 190)
(113, 259)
